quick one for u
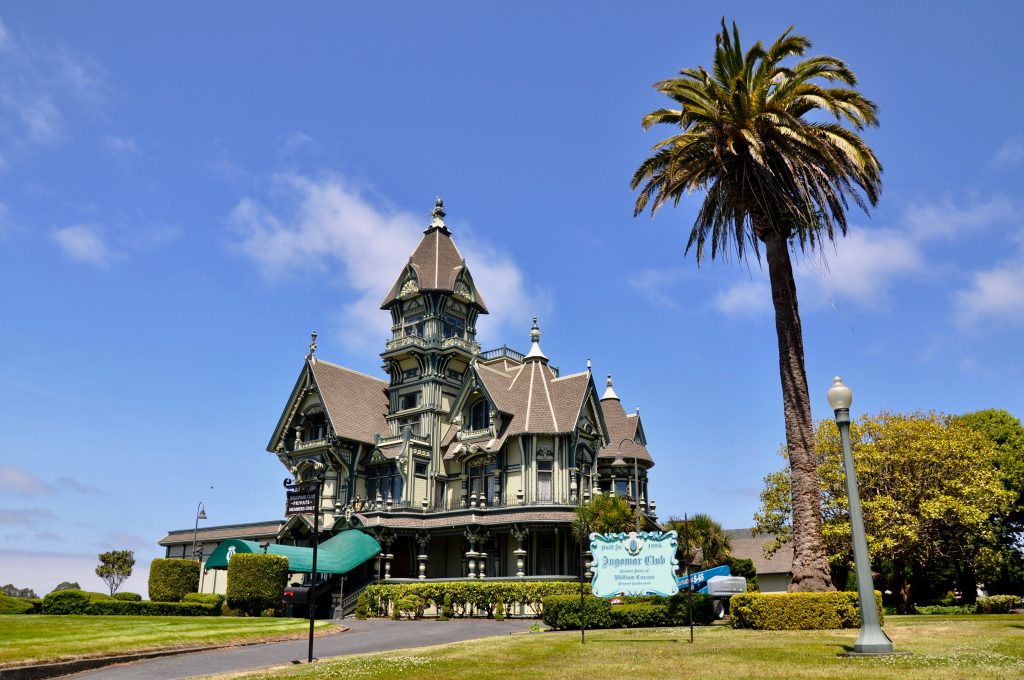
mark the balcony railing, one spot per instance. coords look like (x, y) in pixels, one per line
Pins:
(477, 504)
(311, 444)
(426, 343)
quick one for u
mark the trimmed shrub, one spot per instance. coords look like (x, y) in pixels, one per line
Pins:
(446, 609)
(944, 610)
(110, 607)
(15, 605)
(997, 604)
(562, 612)
(67, 602)
(798, 611)
(410, 606)
(127, 597)
(469, 598)
(204, 598)
(256, 581)
(172, 579)
(361, 607)
(499, 610)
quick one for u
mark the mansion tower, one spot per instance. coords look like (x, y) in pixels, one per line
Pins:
(462, 463)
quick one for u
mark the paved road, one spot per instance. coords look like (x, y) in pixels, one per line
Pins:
(364, 636)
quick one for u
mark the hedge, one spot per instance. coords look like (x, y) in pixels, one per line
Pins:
(256, 581)
(464, 598)
(562, 612)
(15, 605)
(127, 597)
(997, 604)
(67, 602)
(798, 611)
(137, 608)
(172, 579)
(204, 598)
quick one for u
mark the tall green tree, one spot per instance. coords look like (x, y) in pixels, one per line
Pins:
(774, 174)
(928, 487)
(115, 567)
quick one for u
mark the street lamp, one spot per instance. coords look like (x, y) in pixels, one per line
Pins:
(200, 514)
(872, 640)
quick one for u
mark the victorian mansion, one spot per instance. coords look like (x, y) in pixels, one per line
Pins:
(462, 462)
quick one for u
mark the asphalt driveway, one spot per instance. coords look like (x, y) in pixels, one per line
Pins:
(375, 635)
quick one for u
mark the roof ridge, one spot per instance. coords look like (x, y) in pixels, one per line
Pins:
(529, 397)
(551, 406)
(566, 377)
(350, 370)
(518, 373)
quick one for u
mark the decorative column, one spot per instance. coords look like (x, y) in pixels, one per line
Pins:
(574, 487)
(387, 556)
(471, 554)
(482, 563)
(424, 541)
(520, 554)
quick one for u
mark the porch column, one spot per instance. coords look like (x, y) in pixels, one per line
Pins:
(471, 554)
(423, 540)
(520, 535)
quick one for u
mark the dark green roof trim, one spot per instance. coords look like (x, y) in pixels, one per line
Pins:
(339, 554)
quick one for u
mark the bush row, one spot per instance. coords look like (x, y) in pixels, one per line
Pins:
(18, 605)
(463, 598)
(562, 612)
(98, 604)
(798, 611)
(995, 604)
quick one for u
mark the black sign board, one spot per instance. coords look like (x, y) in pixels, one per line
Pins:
(300, 503)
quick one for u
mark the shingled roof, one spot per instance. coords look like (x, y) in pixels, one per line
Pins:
(746, 544)
(532, 399)
(436, 262)
(356, 403)
(622, 427)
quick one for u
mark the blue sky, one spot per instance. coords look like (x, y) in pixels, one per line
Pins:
(187, 191)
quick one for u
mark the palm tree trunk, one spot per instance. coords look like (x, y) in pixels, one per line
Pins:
(810, 567)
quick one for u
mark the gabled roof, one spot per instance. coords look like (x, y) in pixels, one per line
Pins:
(436, 263)
(623, 426)
(356, 403)
(531, 399)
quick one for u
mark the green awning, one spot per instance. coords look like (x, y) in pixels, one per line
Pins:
(339, 554)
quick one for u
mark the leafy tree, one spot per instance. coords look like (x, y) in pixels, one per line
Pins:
(115, 566)
(603, 514)
(701, 535)
(1005, 574)
(928, 486)
(67, 585)
(12, 590)
(774, 174)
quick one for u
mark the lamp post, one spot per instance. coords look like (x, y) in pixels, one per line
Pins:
(314, 484)
(872, 640)
(200, 514)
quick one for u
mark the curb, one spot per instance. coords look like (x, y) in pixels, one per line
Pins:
(59, 668)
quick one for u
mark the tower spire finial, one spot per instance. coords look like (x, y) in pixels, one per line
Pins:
(312, 346)
(437, 215)
(535, 351)
(609, 393)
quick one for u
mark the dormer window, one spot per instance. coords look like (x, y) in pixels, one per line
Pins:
(479, 415)
(414, 326)
(454, 327)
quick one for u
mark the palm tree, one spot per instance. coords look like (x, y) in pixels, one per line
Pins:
(701, 533)
(775, 174)
(603, 514)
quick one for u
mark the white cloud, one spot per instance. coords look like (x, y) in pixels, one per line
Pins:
(658, 285)
(121, 146)
(993, 296)
(1012, 151)
(42, 86)
(25, 517)
(745, 298)
(83, 244)
(23, 483)
(328, 224)
(948, 220)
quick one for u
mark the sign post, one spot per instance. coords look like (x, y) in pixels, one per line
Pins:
(301, 501)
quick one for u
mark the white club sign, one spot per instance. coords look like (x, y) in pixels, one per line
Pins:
(635, 563)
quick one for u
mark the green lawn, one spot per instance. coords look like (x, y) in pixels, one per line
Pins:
(26, 639)
(943, 647)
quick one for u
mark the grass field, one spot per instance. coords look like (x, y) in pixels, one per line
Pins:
(26, 639)
(953, 647)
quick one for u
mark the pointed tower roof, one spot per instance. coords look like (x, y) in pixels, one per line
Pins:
(609, 393)
(535, 352)
(436, 264)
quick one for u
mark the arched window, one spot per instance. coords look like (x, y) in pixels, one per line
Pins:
(479, 415)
